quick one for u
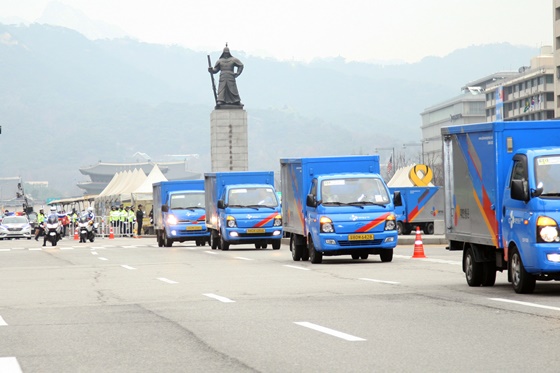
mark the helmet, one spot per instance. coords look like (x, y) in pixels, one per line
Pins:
(90, 209)
(53, 209)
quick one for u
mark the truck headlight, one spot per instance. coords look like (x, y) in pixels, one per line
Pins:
(172, 220)
(547, 230)
(326, 225)
(390, 224)
(231, 223)
(278, 220)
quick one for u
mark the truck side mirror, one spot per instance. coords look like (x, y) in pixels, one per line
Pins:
(311, 202)
(537, 192)
(520, 190)
(221, 204)
(164, 208)
(397, 199)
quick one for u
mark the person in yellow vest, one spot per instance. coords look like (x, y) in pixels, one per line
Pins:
(40, 220)
(122, 218)
(130, 218)
(114, 218)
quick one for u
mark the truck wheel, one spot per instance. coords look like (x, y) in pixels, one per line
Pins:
(365, 256)
(473, 270)
(167, 242)
(264, 245)
(386, 255)
(224, 245)
(523, 282)
(489, 273)
(276, 245)
(315, 256)
(214, 240)
(400, 228)
(429, 228)
(355, 256)
(295, 249)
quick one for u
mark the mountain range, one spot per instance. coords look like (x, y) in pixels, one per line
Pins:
(67, 101)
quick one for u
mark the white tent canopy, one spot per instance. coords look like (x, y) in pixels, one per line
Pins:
(144, 192)
(122, 185)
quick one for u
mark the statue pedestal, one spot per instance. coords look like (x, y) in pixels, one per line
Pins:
(229, 140)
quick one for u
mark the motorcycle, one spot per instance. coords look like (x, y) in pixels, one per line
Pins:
(86, 228)
(52, 229)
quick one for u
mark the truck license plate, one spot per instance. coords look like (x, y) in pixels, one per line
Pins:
(194, 228)
(360, 237)
(255, 230)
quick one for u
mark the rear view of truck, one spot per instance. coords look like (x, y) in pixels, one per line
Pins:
(337, 206)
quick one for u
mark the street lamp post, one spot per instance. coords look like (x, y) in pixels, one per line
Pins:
(421, 144)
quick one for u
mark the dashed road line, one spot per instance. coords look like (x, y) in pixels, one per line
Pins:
(380, 281)
(243, 258)
(211, 252)
(296, 267)
(334, 333)
(167, 280)
(220, 298)
(442, 261)
(2, 323)
(127, 266)
(536, 305)
(102, 258)
(9, 365)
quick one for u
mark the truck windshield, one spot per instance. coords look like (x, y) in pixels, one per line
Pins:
(547, 171)
(252, 197)
(193, 200)
(350, 191)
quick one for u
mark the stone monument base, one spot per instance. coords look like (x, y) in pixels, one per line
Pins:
(229, 139)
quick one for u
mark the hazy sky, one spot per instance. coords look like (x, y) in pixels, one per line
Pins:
(360, 30)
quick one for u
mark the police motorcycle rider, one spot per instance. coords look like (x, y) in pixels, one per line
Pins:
(87, 222)
(51, 225)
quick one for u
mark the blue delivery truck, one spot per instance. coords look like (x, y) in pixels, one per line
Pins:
(421, 207)
(502, 200)
(179, 212)
(243, 208)
(337, 206)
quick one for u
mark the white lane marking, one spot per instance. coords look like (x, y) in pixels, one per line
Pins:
(97, 247)
(167, 280)
(127, 266)
(242, 258)
(153, 245)
(332, 332)
(66, 248)
(35, 249)
(129, 247)
(220, 298)
(211, 252)
(2, 322)
(5, 249)
(94, 253)
(296, 267)
(9, 365)
(102, 258)
(18, 248)
(381, 281)
(526, 304)
(442, 261)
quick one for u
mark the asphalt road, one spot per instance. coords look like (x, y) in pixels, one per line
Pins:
(126, 305)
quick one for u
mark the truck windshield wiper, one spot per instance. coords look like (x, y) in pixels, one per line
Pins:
(550, 195)
(192, 208)
(260, 206)
(243, 206)
(368, 203)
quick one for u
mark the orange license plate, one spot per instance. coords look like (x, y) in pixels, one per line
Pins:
(194, 228)
(360, 237)
(255, 230)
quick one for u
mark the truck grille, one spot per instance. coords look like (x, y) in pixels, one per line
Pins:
(255, 235)
(360, 243)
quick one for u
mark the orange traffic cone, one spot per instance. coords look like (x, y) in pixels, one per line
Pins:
(111, 234)
(76, 238)
(418, 245)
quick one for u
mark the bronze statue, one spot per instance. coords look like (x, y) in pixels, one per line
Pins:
(227, 87)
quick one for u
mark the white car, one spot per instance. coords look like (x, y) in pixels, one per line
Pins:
(15, 227)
